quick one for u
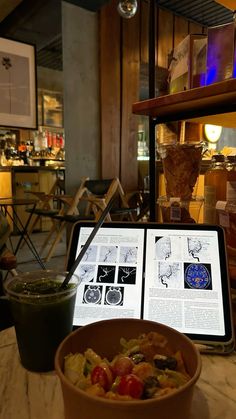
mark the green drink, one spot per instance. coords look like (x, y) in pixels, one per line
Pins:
(43, 315)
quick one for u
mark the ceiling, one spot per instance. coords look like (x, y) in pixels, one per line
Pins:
(39, 21)
(205, 12)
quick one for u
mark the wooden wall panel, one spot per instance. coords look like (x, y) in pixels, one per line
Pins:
(110, 77)
(130, 94)
(195, 28)
(144, 31)
(180, 29)
(164, 37)
(124, 47)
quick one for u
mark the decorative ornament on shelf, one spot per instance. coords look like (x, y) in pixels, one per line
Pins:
(127, 8)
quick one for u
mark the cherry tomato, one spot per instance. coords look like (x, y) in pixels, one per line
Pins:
(130, 385)
(102, 375)
(123, 366)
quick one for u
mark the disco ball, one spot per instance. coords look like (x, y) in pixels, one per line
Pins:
(127, 8)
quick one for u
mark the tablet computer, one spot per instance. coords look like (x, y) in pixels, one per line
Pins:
(174, 274)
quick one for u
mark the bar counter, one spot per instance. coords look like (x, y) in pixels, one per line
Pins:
(28, 169)
(26, 395)
(27, 178)
(20, 181)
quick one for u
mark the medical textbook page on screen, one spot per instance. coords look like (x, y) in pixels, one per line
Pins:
(111, 274)
(183, 286)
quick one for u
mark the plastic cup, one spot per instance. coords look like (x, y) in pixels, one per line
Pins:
(42, 313)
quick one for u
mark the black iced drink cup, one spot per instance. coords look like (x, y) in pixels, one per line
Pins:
(42, 313)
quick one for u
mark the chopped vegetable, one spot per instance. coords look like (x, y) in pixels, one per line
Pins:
(146, 367)
(92, 357)
(163, 362)
(74, 367)
(130, 385)
(101, 374)
(150, 386)
(136, 358)
(122, 365)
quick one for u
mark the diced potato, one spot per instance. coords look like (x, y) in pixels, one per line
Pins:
(95, 390)
(143, 370)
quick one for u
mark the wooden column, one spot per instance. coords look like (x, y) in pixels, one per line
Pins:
(110, 77)
(152, 138)
(130, 94)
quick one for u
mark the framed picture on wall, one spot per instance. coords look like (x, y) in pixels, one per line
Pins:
(18, 104)
(52, 109)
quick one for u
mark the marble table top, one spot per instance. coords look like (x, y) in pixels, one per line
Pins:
(27, 395)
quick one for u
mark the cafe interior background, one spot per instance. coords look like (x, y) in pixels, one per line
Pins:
(92, 65)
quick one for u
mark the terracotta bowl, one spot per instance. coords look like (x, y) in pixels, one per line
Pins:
(104, 338)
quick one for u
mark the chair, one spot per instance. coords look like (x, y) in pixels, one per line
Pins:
(139, 201)
(8, 262)
(122, 210)
(90, 200)
(69, 206)
(45, 206)
(97, 196)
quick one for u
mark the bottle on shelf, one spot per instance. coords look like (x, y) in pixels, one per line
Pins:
(3, 160)
(54, 140)
(231, 179)
(44, 141)
(214, 187)
(37, 143)
(226, 211)
(22, 152)
(49, 139)
(47, 144)
(62, 141)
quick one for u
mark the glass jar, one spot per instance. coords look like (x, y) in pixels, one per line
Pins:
(214, 187)
(181, 166)
(231, 179)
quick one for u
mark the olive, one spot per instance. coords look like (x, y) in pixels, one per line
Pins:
(150, 385)
(165, 362)
(137, 358)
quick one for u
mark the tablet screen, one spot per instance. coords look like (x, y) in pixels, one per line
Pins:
(183, 281)
(174, 274)
(111, 274)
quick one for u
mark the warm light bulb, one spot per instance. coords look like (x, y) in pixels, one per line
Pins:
(212, 132)
(127, 8)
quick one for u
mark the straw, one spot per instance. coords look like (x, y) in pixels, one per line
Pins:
(87, 243)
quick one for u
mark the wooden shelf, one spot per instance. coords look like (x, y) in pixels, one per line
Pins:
(229, 4)
(215, 104)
